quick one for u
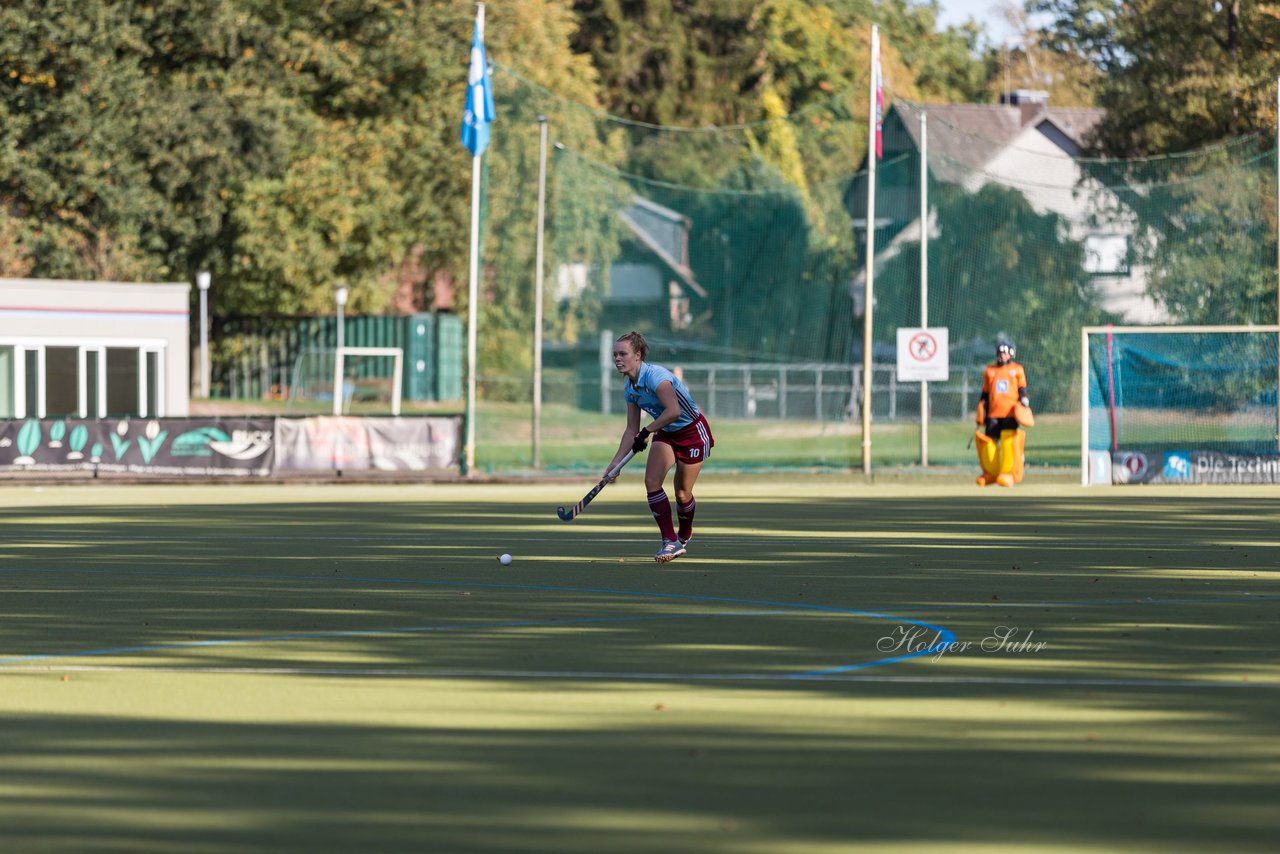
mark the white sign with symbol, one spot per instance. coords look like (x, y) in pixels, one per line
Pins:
(922, 355)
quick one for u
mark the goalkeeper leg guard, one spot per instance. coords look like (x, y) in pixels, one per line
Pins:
(1019, 454)
(1008, 450)
(988, 453)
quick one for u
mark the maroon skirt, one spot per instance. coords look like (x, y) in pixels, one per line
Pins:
(692, 443)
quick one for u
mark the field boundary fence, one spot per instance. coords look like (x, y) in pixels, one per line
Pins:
(824, 391)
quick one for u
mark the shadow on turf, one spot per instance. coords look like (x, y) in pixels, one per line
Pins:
(1109, 765)
(1137, 588)
(680, 780)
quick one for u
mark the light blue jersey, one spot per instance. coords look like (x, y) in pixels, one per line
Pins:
(644, 393)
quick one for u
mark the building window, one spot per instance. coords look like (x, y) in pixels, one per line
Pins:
(152, 359)
(92, 378)
(71, 381)
(6, 383)
(61, 381)
(31, 375)
(122, 381)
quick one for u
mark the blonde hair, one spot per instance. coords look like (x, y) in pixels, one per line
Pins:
(638, 344)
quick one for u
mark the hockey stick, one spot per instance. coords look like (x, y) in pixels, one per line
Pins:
(570, 514)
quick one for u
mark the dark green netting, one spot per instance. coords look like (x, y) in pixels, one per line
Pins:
(740, 252)
(1183, 391)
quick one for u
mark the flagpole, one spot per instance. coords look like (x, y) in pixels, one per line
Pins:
(473, 272)
(868, 285)
(473, 275)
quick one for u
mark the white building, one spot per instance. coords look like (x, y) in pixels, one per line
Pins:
(93, 349)
(1034, 148)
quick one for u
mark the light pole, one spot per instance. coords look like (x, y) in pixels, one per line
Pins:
(341, 297)
(202, 282)
(537, 293)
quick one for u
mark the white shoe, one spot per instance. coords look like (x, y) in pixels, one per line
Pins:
(671, 549)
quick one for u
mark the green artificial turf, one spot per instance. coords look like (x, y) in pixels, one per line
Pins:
(338, 668)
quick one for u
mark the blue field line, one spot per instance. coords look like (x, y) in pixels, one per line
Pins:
(1237, 599)
(944, 635)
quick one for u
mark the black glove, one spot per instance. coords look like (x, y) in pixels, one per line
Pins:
(641, 440)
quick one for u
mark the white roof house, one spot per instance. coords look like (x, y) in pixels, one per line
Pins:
(1033, 148)
(93, 349)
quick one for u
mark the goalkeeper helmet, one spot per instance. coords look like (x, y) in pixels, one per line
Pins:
(1006, 347)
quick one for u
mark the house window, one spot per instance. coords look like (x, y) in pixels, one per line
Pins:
(571, 281)
(678, 305)
(635, 284)
(1106, 255)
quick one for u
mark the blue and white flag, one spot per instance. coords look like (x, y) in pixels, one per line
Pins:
(479, 107)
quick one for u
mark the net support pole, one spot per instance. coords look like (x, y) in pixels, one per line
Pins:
(924, 278)
(337, 380)
(1084, 408)
(397, 383)
(868, 282)
(1111, 390)
(537, 294)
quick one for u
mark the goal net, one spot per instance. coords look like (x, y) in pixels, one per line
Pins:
(347, 381)
(1186, 404)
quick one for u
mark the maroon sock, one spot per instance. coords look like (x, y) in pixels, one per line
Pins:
(661, 507)
(684, 512)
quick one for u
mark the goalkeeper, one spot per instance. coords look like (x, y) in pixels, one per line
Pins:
(1002, 409)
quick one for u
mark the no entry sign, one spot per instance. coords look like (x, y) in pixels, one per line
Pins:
(922, 354)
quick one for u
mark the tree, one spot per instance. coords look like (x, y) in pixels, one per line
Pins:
(1209, 231)
(951, 65)
(1177, 74)
(1082, 28)
(286, 147)
(75, 103)
(1189, 79)
(547, 80)
(1028, 62)
(367, 171)
(673, 62)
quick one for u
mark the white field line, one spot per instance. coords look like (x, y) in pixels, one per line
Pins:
(422, 673)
